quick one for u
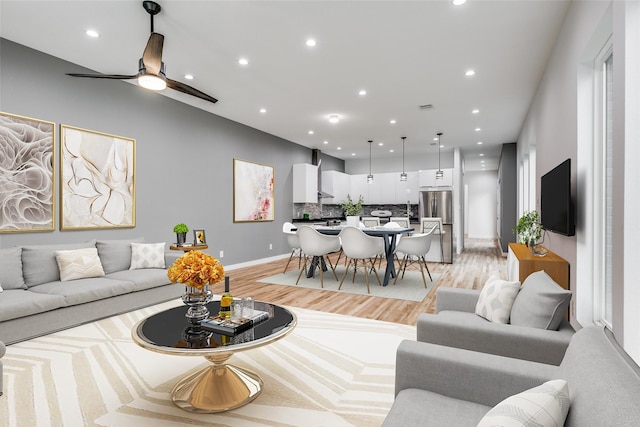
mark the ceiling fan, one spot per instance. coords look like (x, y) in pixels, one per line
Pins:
(151, 73)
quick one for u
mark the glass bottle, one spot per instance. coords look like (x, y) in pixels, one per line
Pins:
(226, 300)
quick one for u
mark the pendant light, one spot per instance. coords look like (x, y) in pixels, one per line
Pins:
(370, 176)
(403, 175)
(439, 173)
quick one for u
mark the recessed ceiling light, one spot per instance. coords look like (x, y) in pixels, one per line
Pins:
(391, 150)
(263, 110)
(92, 33)
(478, 129)
(392, 121)
(476, 111)
(380, 144)
(325, 142)
(339, 148)
(469, 73)
(362, 92)
(353, 154)
(435, 139)
(188, 76)
(441, 145)
(459, 2)
(310, 132)
(479, 142)
(243, 61)
(334, 118)
(481, 154)
(311, 42)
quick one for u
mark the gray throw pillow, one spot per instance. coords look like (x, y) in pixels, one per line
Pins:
(11, 268)
(115, 255)
(40, 265)
(541, 303)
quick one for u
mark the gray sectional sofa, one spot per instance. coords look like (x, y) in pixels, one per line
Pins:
(444, 386)
(35, 302)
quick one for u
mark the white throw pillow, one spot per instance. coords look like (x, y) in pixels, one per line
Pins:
(147, 255)
(78, 264)
(1, 287)
(496, 299)
(545, 405)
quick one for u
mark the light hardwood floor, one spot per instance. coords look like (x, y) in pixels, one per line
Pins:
(479, 260)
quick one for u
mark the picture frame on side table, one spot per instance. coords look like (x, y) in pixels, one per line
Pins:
(253, 185)
(27, 175)
(97, 180)
(199, 238)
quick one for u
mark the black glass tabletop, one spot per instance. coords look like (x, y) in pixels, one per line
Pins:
(170, 329)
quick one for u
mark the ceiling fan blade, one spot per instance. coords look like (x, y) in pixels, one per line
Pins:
(104, 76)
(152, 56)
(181, 87)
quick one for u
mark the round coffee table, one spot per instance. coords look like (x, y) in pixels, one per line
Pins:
(220, 386)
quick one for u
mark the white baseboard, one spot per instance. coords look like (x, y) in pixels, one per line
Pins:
(255, 262)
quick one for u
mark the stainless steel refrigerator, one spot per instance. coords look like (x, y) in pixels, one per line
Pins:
(439, 204)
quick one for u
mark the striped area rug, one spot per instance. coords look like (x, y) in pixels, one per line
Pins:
(332, 370)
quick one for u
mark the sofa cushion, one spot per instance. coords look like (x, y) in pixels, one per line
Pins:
(147, 255)
(415, 407)
(21, 303)
(496, 299)
(541, 303)
(39, 263)
(78, 264)
(143, 279)
(85, 290)
(546, 406)
(115, 255)
(11, 268)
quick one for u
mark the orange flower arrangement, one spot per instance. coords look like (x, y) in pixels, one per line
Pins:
(196, 269)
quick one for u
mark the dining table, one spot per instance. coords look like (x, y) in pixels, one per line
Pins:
(389, 236)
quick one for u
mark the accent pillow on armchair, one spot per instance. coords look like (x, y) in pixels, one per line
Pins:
(541, 303)
(496, 298)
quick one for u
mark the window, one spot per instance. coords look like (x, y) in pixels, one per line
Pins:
(608, 188)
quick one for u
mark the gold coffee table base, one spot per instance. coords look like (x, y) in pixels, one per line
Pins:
(217, 388)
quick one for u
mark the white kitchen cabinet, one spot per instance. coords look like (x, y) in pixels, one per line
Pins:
(305, 183)
(338, 184)
(359, 187)
(427, 178)
(407, 190)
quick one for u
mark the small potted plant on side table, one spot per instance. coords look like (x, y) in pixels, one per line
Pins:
(181, 231)
(529, 232)
(351, 210)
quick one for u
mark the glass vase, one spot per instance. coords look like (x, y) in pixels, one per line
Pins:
(196, 299)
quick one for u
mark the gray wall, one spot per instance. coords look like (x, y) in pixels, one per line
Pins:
(184, 156)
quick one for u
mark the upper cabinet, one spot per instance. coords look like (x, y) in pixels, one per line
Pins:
(386, 188)
(407, 191)
(428, 178)
(337, 184)
(305, 183)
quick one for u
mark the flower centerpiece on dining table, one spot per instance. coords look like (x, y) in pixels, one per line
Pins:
(196, 270)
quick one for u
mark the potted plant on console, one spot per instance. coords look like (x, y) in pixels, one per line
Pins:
(352, 210)
(181, 231)
(529, 232)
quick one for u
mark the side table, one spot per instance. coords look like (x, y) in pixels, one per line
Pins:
(188, 248)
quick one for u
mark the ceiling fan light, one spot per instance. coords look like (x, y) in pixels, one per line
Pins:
(151, 82)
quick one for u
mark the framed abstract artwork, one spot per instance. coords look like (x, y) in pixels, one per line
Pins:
(97, 180)
(27, 173)
(252, 192)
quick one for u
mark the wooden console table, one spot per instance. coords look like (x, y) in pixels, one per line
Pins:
(188, 248)
(521, 263)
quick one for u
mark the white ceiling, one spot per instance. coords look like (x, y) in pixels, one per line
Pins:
(403, 53)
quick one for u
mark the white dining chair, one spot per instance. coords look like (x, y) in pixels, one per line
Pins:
(316, 247)
(402, 221)
(294, 243)
(417, 246)
(428, 224)
(371, 221)
(358, 246)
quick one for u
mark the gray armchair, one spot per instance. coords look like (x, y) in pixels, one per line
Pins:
(455, 324)
(444, 386)
(2, 351)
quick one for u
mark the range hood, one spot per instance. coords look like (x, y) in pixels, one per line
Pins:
(316, 160)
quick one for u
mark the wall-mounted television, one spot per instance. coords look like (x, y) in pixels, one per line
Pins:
(556, 206)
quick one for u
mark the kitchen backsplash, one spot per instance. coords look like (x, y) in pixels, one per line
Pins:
(318, 211)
